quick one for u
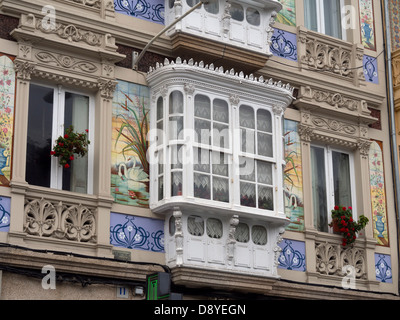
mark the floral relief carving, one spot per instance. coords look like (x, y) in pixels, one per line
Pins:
(332, 259)
(66, 62)
(327, 57)
(334, 125)
(71, 33)
(335, 99)
(24, 69)
(90, 3)
(107, 89)
(44, 218)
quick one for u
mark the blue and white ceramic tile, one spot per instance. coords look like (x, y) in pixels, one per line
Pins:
(5, 205)
(293, 255)
(151, 10)
(383, 268)
(133, 232)
(370, 67)
(284, 44)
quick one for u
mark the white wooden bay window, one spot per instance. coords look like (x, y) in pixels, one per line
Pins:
(215, 151)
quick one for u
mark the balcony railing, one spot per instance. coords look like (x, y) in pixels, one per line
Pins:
(60, 220)
(330, 56)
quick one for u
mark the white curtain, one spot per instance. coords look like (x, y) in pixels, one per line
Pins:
(80, 121)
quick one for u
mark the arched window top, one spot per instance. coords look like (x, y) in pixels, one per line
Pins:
(176, 102)
(160, 108)
(246, 117)
(212, 7)
(242, 233)
(195, 225)
(236, 11)
(264, 120)
(214, 228)
(259, 235)
(253, 16)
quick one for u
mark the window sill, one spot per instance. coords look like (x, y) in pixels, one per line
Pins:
(227, 209)
(55, 194)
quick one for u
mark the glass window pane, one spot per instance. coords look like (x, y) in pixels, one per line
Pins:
(201, 160)
(253, 16)
(176, 156)
(203, 131)
(195, 226)
(160, 132)
(264, 145)
(220, 111)
(310, 15)
(220, 135)
(192, 3)
(176, 102)
(172, 227)
(265, 198)
(160, 108)
(319, 191)
(214, 228)
(259, 235)
(264, 121)
(242, 233)
(247, 194)
(341, 178)
(176, 183)
(160, 188)
(332, 18)
(247, 169)
(247, 143)
(202, 106)
(175, 127)
(39, 140)
(236, 12)
(246, 117)
(264, 172)
(220, 164)
(212, 7)
(202, 186)
(160, 159)
(76, 113)
(220, 189)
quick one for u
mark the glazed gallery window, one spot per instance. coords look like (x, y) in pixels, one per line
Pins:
(325, 16)
(332, 173)
(51, 110)
(213, 156)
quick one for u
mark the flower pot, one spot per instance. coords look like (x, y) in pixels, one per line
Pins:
(335, 226)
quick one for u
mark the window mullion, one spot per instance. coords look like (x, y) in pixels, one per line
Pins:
(58, 130)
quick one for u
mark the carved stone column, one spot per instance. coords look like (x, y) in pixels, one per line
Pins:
(24, 70)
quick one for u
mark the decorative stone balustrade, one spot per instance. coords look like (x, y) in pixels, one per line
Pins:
(333, 259)
(60, 220)
(332, 56)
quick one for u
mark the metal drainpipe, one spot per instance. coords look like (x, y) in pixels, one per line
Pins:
(136, 61)
(392, 123)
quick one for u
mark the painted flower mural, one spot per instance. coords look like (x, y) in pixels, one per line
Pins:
(378, 196)
(367, 24)
(7, 100)
(293, 178)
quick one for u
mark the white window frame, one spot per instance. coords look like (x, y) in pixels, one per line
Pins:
(330, 192)
(56, 170)
(321, 18)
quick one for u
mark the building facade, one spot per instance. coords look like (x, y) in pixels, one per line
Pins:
(216, 157)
